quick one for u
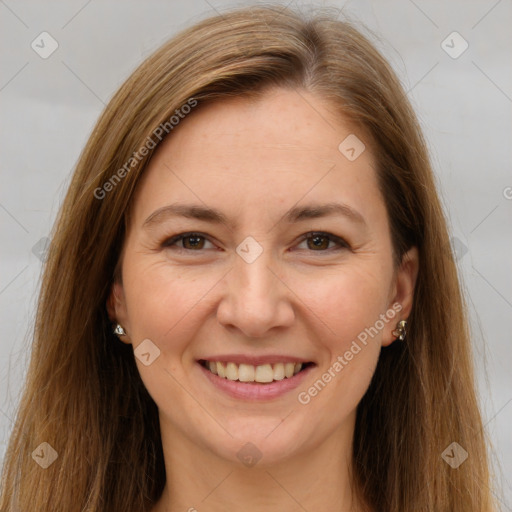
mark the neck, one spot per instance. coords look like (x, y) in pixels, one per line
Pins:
(201, 481)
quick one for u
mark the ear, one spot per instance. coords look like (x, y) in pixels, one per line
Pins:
(402, 292)
(116, 309)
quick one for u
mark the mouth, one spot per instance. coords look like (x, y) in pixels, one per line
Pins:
(255, 374)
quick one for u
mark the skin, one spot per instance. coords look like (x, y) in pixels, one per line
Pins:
(254, 159)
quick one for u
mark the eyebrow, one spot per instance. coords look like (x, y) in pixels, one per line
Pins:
(214, 216)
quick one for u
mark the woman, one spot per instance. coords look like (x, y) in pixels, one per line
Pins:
(248, 302)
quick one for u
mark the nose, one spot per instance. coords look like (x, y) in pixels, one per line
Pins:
(257, 299)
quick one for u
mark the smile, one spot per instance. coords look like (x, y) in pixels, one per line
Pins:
(262, 374)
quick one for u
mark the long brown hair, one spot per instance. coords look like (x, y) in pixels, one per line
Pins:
(83, 394)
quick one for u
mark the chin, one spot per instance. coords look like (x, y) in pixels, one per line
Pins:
(260, 443)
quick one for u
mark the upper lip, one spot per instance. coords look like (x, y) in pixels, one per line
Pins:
(255, 360)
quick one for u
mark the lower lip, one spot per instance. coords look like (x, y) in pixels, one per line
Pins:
(253, 390)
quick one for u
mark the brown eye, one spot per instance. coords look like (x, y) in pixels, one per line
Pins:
(193, 242)
(319, 242)
(189, 242)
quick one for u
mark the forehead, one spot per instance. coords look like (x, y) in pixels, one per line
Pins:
(266, 153)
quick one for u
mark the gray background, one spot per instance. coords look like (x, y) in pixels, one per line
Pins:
(464, 104)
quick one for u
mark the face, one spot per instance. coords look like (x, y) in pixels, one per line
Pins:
(232, 257)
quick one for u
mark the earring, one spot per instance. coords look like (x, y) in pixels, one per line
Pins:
(400, 332)
(119, 331)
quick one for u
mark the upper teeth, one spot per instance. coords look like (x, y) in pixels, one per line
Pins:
(249, 373)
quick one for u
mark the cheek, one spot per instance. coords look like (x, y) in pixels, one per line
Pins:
(350, 348)
(344, 300)
(348, 300)
(349, 304)
(162, 302)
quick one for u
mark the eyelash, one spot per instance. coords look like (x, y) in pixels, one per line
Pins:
(169, 242)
